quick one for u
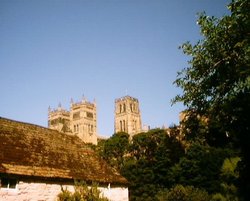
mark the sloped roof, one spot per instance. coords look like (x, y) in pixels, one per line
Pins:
(31, 150)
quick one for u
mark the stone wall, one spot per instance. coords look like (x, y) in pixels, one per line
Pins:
(35, 191)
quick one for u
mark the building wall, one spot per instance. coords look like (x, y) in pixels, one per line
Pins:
(39, 191)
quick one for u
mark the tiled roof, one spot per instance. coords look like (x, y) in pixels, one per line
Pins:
(31, 150)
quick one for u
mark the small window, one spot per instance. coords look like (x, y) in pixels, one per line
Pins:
(76, 115)
(8, 183)
(90, 115)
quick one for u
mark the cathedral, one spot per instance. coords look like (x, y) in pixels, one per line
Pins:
(81, 120)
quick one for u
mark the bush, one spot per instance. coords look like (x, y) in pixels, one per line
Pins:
(82, 193)
(183, 193)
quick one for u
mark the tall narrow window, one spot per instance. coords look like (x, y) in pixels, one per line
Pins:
(124, 126)
(124, 107)
(120, 125)
(120, 108)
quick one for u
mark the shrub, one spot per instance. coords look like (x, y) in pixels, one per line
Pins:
(82, 193)
(183, 193)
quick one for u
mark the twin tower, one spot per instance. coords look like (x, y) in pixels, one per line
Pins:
(81, 120)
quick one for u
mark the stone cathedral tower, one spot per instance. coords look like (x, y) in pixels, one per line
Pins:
(59, 119)
(127, 115)
(83, 120)
(79, 121)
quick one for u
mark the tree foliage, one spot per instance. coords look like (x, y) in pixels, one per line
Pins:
(115, 148)
(145, 160)
(229, 176)
(156, 161)
(216, 84)
(200, 167)
(183, 193)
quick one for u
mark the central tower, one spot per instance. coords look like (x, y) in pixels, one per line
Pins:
(127, 115)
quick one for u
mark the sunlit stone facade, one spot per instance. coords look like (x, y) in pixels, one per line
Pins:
(127, 115)
(80, 120)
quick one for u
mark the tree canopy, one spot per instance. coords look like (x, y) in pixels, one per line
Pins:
(216, 84)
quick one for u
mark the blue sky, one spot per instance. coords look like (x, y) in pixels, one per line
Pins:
(55, 50)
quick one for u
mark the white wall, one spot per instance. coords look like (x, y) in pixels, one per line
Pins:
(31, 191)
(115, 194)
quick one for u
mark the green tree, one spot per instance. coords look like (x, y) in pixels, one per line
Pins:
(216, 84)
(229, 175)
(200, 167)
(115, 149)
(151, 155)
(183, 193)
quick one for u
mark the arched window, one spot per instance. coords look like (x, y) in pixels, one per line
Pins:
(124, 107)
(120, 108)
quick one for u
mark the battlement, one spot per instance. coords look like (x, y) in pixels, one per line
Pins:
(126, 98)
(59, 111)
(81, 103)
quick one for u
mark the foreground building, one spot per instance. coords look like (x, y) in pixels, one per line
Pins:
(127, 115)
(35, 162)
(80, 120)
